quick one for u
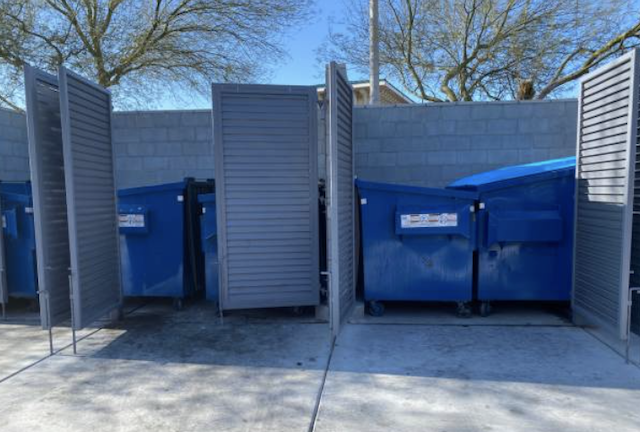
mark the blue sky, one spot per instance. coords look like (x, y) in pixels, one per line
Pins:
(300, 67)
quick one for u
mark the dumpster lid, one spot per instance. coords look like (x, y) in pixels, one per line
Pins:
(511, 175)
(363, 184)
(177, 186)
(207, 198)
(19, 188)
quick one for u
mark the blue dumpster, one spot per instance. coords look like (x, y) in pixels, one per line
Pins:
(152, 241)
(19, 238)
(417, 244)
(525, 231)
(209, 242)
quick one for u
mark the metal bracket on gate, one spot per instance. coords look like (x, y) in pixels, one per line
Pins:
(629, 311)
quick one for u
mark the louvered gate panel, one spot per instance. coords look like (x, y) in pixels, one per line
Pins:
(4, 293)
(266, 186)
(49, 199)
(341, 197)
(607, 138)
(91, 198)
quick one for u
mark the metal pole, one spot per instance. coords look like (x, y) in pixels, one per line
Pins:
(50, 341)
(629, 311)
(374, 54)
(73, 324)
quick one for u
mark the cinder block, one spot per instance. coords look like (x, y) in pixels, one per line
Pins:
(6, 148)
(485, 111)
(194, 118)
(123, 120)
(489, 142)
(204, 133)
(533, 125)
(183, 162)
(126, 135)
(426, 112)
(456, 112)
(441, 157)
(362, 160)
(128, 163)
(382, 159)
(548, 140)
(471, 127)
(156, 163)
(533, 155)
(206, 163)
(503, 157)
(502, 126)
(411, 159)
(518, 110)
(367, 145)
(168, 148)
(454, 142)
(153, 134)
(20, 148)
(182, 134)
(548, 109)
(141, 148)
(517, 141)
(471, 157)
(197, 148)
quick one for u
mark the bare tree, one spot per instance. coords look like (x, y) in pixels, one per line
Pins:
(451, 50)
(137, 47)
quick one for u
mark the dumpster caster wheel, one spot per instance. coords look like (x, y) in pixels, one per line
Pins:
(178, 304)
(376, 309)
(485, 309)
(463, 310)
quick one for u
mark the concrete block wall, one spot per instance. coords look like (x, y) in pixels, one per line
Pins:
(434, 144)
(428, 145)
(162, 146)
(14, 150)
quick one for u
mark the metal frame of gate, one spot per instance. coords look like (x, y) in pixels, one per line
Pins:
(341, 221)
(607, 138)
(4, 289)
(49, 202)
(95, 278)
(268, 242)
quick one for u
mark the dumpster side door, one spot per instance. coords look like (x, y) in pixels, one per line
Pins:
(266, 165)
(341, 222)
(49, 203)
(91, 199)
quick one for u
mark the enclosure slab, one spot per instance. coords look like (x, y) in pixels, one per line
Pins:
(175, 371)
(408, 378)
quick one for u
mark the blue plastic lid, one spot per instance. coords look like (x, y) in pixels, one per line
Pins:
(389, 187)
(517, 173)
(178, 186)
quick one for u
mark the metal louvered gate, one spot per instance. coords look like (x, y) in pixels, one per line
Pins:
(91, 199)
(605, 178)
(49, 202)
(4, 294)
(341, 196)
(266, 163)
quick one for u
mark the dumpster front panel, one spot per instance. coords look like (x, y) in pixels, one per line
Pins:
(152, 242)
(525, 241)
(46, 161)
(209, 242)
(19, 241)
(418, 243)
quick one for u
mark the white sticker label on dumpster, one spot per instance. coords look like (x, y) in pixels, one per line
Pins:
(131, 221)
(429, 220)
